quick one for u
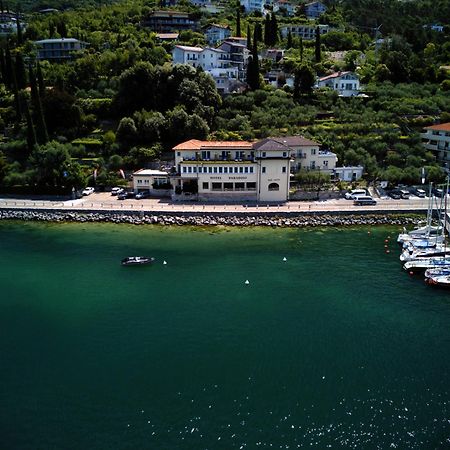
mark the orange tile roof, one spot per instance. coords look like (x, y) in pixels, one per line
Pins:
(441, 127)
(195, 144)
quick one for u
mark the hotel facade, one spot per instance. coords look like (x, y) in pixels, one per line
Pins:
(233, 171)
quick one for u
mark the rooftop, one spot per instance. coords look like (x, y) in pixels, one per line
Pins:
(295, 141)
(440, 127)
(195, 144)
(334, 75)
(150, 172)
(189, 49)
(52, 41)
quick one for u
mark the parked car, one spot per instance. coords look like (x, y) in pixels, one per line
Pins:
(88, 191)
(364, 200)
(395, 194)
(437, 192)
(124, 195)
(116, 190)
(354, 193)
(418, 192)
(142, 194)
(404, 193)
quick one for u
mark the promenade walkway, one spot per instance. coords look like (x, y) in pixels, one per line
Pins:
(105, 202)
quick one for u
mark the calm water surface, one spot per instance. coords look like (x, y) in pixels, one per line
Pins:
(335, 348)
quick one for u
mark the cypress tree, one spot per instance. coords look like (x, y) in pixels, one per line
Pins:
(21, 76)
(238, 22)
(317, 50)
(255, 64)
(257, 32)
(40, 80)
(31, 132)
(8, 69)
(289, 40)
(19, 30)
(2, 65)
(249, 37)
(273, 29)
(41, 128)
(301, 49)
(267, 31)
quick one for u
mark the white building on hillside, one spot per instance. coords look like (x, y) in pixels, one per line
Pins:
(304, 31)
(59, 49)
(346, 84)
(155, 182)
(215, 61)
(254, 5)
(233, 171)
(217, 33)
(436, 139)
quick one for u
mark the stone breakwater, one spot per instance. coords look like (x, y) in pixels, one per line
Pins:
(310, 220)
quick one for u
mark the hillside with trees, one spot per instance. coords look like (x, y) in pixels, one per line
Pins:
(121, 104)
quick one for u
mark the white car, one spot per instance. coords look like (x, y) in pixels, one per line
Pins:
(355, 193)
(88, 191)
(116, 190)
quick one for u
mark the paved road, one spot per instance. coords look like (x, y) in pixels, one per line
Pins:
(104, 201)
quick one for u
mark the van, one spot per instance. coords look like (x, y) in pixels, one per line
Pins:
(355, 193)
(364, 200)
(404, 193)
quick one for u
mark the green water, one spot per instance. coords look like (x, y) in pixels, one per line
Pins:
(335, 348)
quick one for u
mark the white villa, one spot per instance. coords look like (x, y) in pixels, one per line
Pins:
(233, 171)
(436, 138)
(346, 84)
(284, 5)
(217, 33)
(307, 32)
(215, 61)
(253, 5)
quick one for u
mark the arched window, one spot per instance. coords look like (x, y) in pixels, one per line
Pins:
(274, 187)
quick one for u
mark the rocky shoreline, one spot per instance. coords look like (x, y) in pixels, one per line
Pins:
(304, 220)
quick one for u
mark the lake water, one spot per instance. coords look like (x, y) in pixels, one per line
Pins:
(336, 347)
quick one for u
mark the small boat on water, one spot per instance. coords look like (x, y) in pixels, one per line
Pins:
(419, 265)
(437, 271)
(136, 260)
(430, 242)
(419, 233)
(411, 253)
(439, 280)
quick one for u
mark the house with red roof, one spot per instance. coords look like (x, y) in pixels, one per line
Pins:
(436, 138)
(346, 84)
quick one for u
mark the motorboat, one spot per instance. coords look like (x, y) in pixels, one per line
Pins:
(439, 280)
(430, 242)
(419, 233)
(136, 260)
(437, 271)
(419, 265)
(412, 253)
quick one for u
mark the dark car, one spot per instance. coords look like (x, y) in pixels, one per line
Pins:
(143, 194)
(395, 194)
(437, 192)
(125, 195)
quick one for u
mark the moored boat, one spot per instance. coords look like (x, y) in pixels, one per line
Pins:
(412, 253)
(439, 280)
(419, 265)
(437, 271)
(136, 260)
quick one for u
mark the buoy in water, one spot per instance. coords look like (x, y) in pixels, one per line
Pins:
(388, 251)
(386, 241)
(165, 262)
(411, 272)
(285, 259)
(247, 282)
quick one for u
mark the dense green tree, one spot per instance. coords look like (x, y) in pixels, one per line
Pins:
(304, 80)
(249, 37)
(289, 40)
(317, 46)
(21, 75)
(39, 119)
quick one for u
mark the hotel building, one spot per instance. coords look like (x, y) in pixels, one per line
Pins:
(233, 171)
